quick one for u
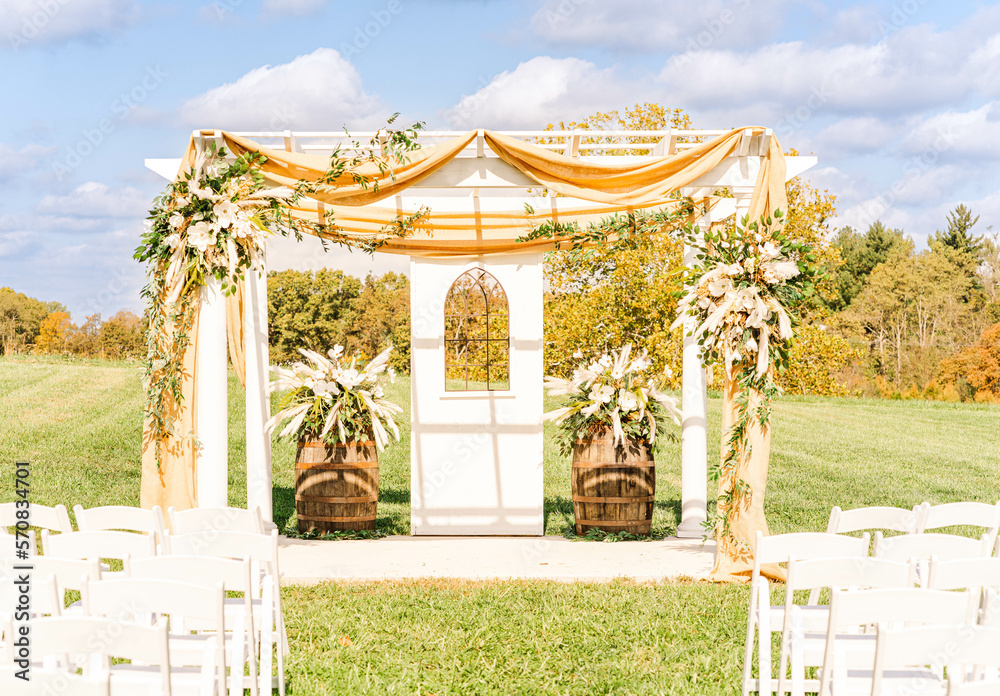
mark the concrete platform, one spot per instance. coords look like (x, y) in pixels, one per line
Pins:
(307, 562)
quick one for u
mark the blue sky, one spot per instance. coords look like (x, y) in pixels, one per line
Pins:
(900, 100)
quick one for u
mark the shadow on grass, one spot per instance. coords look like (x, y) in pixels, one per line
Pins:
(394, 495)
(283, 500)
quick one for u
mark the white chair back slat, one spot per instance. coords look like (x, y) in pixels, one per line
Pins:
(55, 519)
(70, 573)
(99, 544)
(11, 547)
(51, 682)
(43, 595)
(923, 546)
(985, 515)
(120, 517)
(875, 517)
(779, 548)
(227, 519)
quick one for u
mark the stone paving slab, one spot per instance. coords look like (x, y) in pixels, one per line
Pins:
(307, 562)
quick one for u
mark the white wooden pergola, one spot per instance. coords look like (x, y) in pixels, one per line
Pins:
(476, 180)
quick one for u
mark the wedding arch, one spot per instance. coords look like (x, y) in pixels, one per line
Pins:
(480, 193)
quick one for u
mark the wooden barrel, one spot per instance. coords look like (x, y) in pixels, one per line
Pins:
(336, 486)
(613, 487)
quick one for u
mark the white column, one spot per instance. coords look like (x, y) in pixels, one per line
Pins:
(694, 432)
(213, 420)
(258, 401)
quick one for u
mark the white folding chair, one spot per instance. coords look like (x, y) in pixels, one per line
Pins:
(262, 551)
(99, 545)
(978, 575)
(984, 515)
(849, 653)
(763, 618)
(120, 517)
(189, 606)
(55, 519)
(235, 577)
(11, 547)
(101, 638)
(946, 547)
(874, 518)
(910, 660)
(225, 519)
(804, 628)
(51, 682)
(44, 598)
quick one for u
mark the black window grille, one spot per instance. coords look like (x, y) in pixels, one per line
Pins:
(476, 334)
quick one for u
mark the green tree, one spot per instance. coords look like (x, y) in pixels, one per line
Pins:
(20, 319)
(308, 310)
(380, 315)
(121, 336)
(860, 254)
(912, 313)
(958, 235)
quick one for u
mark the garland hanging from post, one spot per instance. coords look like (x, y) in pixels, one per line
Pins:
(740, 301)
(213, 222)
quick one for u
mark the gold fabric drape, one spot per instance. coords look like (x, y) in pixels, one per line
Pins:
(735, 558)
(611, 187)
(174, 482)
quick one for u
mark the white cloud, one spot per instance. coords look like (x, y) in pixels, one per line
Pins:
(856, 135)
(97, 200)
(275, 9)
(15, 163)
(24, 22)
(540, 91)
(318, 91)
(973, 135)
(658, 25)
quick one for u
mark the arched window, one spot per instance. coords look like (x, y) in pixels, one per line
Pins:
(476, 334)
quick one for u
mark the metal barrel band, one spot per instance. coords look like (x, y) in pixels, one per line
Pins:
(348, 500)
(601, 499)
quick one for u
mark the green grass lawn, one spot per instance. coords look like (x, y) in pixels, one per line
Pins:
(79, 423)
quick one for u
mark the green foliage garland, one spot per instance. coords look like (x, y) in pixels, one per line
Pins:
(740, 301)
(212, 222)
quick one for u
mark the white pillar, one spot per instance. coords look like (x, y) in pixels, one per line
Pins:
(694, 432)
(258, 401)
(213, 420)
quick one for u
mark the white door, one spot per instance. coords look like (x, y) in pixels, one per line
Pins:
(476, 376)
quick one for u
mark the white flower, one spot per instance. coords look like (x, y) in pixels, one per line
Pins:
(601, 394)
(749, 264)
(751, 346)
(578, 354)
(225, 213)
(769, 251)
(640, 364)
(627, 401)
(182, 202)
(350, 379)
(325, 389)
(720, 286)
(200, 236)
(176, 220)
(605, 361)
(392, 375)
(617, 373)
(173, 240)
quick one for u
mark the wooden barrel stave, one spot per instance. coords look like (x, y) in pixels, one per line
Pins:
(336, 486)
(613, 488)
